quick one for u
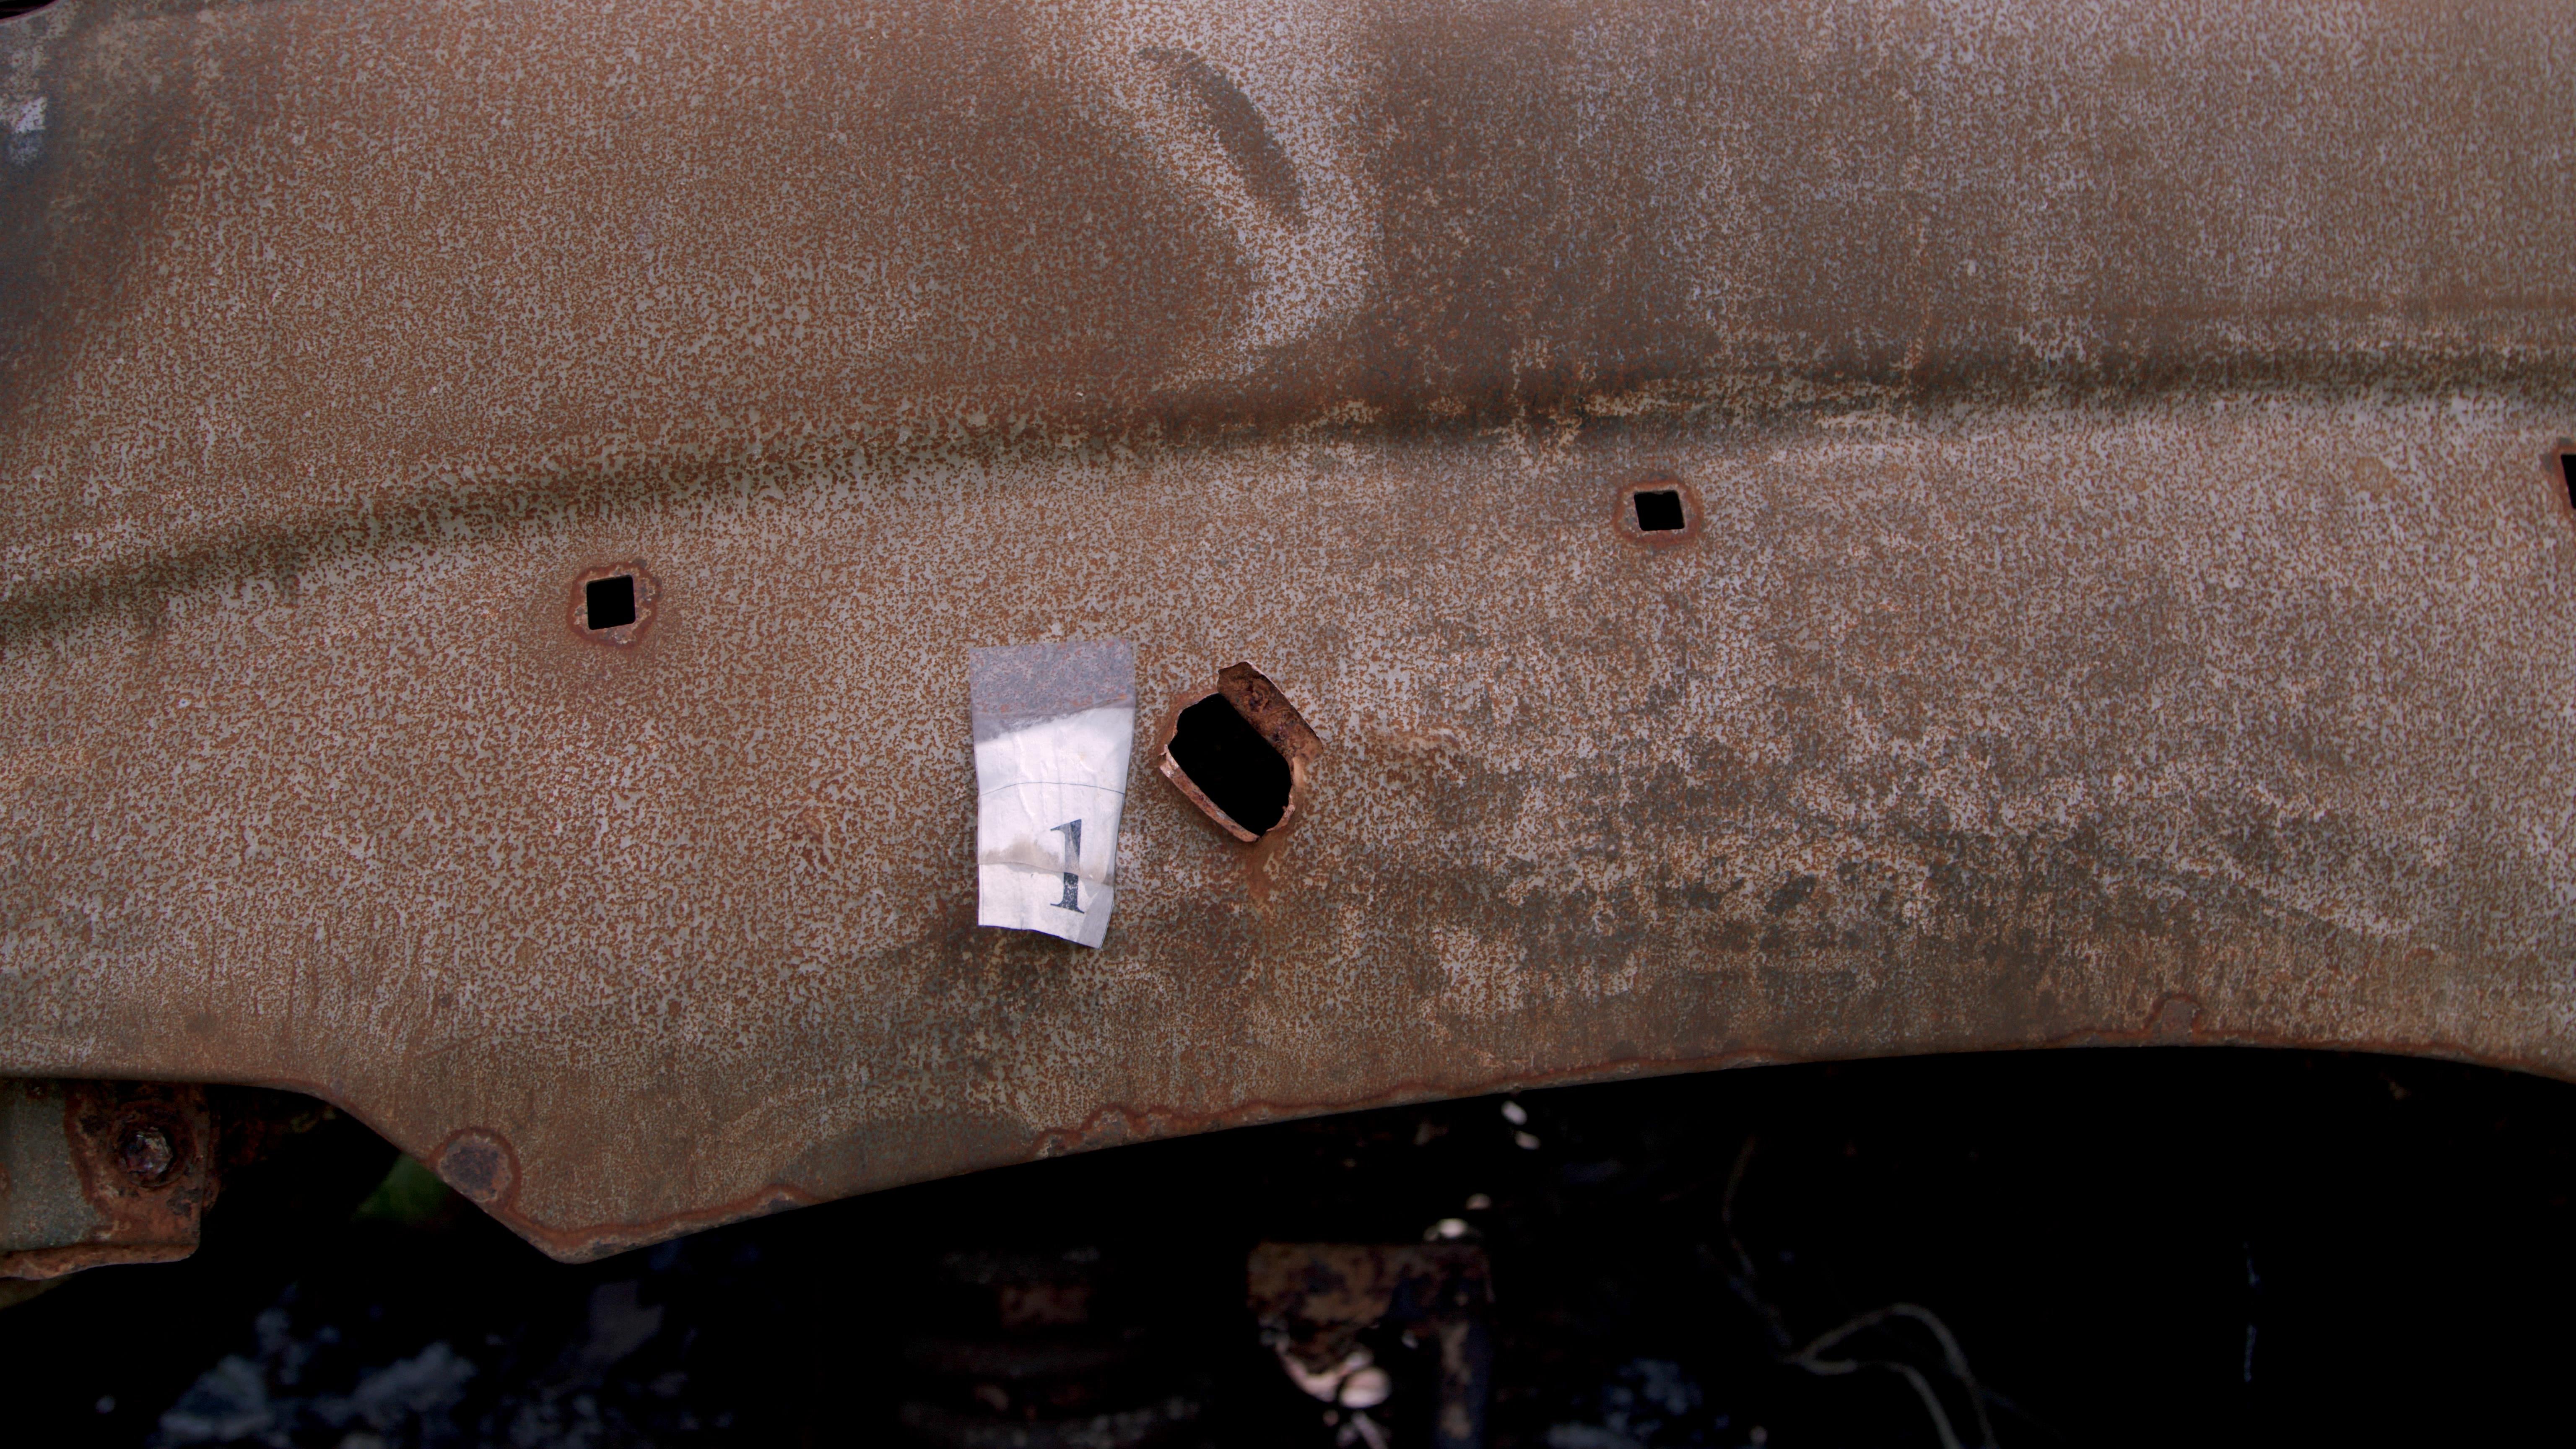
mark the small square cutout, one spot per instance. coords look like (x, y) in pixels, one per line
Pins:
(1660, 511)
(609, 603)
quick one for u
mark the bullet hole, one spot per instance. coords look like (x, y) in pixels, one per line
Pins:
(2567, 471)
(1659, 511)
(613, 604)
(1240, 753)
(609, 603)
(1231, 764)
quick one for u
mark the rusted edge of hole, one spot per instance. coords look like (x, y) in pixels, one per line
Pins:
(1180, 779)
(620, 636)
(1646, 501)
(2563, 457)
(1267, 711)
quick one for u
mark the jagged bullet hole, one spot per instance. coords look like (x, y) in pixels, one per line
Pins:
(2567, 470)
(1660, 511)
(609, 603)
(1241, 753)
(1231, 764)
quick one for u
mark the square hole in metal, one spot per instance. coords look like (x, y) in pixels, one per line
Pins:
(1239, 771)
(609, 603)
(1660, 511)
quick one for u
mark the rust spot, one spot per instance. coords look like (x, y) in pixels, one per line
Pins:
(613, 604)
(1657, 510)
(1791, 893)
(480, 1165)
(1240, 752)
(2174, 1021)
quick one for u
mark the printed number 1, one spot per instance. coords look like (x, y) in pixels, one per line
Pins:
(1072, 833)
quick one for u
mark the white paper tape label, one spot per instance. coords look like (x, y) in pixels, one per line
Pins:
(1055, 726)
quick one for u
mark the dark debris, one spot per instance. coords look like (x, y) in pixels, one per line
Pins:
(2089, 1247)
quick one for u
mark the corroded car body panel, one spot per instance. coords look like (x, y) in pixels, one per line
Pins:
(2129, 589)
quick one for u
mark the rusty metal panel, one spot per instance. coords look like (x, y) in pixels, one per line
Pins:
(2125, 589)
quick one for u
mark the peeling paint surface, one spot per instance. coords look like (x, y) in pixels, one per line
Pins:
(2130, 591)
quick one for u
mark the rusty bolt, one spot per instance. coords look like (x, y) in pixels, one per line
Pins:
(145, 1154)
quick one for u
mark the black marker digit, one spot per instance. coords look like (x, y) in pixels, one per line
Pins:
(1072, 833)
